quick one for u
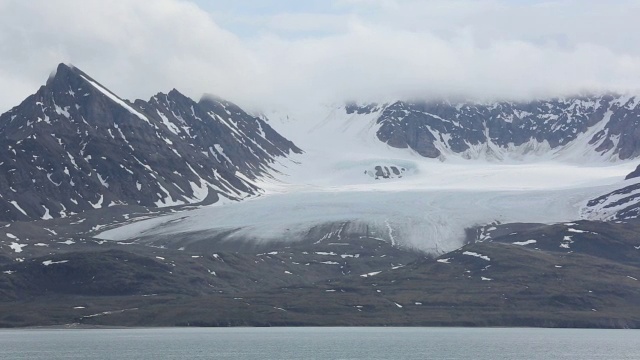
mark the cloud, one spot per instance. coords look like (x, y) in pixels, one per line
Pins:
(370, 63)
(366, 50)
(307, 22)
(131, 47)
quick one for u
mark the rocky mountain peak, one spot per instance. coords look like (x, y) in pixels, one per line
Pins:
(74, 146)
(67, 74)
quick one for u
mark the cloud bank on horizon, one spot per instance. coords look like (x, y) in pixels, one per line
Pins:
(290, 53)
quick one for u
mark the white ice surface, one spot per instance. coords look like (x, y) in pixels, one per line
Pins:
(428, 208)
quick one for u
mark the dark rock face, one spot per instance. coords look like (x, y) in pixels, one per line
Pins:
(428, 128)
(352, 108)
(386, 172)
(634, 174)
(74, 146)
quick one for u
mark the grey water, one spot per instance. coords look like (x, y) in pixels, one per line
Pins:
(320, 343)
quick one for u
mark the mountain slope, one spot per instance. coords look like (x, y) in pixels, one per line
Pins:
(530, 275)
(75, 146)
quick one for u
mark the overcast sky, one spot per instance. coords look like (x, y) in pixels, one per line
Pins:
(263, 53)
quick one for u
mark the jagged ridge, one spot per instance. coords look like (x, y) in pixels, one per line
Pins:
(497, 130)
(74, 146)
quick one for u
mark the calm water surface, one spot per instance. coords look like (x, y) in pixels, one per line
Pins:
(320, 343)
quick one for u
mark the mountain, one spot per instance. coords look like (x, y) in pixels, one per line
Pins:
(592, 125)
(74, 146)
(175, 212)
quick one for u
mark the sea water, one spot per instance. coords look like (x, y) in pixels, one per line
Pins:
(320, 343)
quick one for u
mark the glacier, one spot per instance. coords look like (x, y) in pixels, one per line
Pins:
(328, 192)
